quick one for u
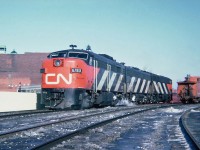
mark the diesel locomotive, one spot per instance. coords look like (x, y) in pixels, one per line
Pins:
(78, 79)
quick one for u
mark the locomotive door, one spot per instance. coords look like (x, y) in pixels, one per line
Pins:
(95, 65)
(108, 78)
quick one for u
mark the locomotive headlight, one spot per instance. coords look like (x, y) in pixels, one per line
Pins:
(58, 63)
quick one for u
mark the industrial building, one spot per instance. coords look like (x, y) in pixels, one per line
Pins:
(18, 70)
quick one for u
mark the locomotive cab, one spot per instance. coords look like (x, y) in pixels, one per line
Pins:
(66, 75)
(76, 54)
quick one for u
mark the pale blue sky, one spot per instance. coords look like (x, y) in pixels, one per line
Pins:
(161, 36)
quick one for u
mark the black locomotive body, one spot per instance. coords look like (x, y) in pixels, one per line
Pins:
(98, 80)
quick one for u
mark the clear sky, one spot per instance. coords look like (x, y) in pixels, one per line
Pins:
(160, 36)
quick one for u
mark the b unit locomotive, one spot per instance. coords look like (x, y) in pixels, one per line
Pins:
(76, 79)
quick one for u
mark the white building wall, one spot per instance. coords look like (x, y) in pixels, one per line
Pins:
(14, 101)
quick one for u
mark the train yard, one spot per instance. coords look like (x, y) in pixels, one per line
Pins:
(106, 128)
(75, 82)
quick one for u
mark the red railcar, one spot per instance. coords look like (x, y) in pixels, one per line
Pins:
(189, 89)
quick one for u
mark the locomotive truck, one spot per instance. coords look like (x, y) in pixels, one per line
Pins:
(78, 79)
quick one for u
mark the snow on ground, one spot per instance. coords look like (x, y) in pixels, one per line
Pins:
(173, 110)
(125, 102)
(158, 129)
(159, 132)
(147, 131)
(193, 110)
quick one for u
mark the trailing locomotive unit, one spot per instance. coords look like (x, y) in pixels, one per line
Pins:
(78, 78)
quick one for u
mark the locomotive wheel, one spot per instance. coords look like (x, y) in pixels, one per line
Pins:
(114, 102)
(116, 99)
(85, 104)
(86, 101)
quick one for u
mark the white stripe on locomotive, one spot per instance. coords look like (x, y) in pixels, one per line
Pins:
(165, 88)
(130, 87)
(161, 89)
(142, 87)
(103, 79)
(119, 82)
(147, 87)
(111, 81)
(95, 63)
(137, 85)
(156, 87)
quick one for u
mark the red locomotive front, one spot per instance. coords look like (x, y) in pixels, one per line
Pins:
(67, 77)
(66, 73)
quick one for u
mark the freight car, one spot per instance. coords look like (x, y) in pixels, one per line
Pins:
(77, 79)
(189, 89)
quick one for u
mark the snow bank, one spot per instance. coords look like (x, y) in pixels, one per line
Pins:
(173, 110)
(193, 110)
(125, 102)
(15, 101)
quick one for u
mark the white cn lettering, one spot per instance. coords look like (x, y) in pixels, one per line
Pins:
(57, 79)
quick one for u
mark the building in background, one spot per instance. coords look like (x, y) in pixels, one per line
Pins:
(17, 70)
(2, 49)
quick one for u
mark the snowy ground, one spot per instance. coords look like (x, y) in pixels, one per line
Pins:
(30, 138)
(151, 130)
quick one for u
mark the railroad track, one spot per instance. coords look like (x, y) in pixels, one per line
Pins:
(19, 122)
(57, 121)
(190, 121)
(22, 113)
(67, 136)
(55, 131)
(28, 119)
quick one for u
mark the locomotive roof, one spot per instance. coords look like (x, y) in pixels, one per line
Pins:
(108, 59)
(103, 57)
(148, 73)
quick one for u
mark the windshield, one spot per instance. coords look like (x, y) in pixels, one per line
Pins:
(57, 54)
(78, 55)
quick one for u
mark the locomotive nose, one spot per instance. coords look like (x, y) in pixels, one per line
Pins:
(62, 73)
(63, 80)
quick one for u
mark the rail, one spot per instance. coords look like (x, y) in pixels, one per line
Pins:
(24, 112)
(185, 123)
(58, 140)
(43, 134)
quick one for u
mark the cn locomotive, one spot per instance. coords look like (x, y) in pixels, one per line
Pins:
(78, 79)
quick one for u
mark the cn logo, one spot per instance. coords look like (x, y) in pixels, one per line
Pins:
(57, 78)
